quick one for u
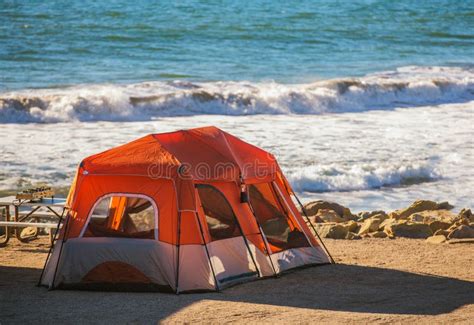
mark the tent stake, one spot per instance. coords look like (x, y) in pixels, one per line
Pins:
(314, 229)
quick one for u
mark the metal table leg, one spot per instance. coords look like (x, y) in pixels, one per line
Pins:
(6, 238)
(18, 229)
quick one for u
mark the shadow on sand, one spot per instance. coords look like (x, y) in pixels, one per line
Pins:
(338, 287)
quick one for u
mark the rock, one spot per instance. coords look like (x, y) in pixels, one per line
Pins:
(313, 219)
(436, 239)
(351, 226)
(361, 216)
(452, 228)
(323, 228)
(352, 236)
(458, 222)
(409, 230)
(28, 232)
(393, 215)
(445, 206)
(429, 216)
(443, 232)
(370, 225)
(381, 216)
(461, 241)
(416, 217)
(443, 215)
(337, 232)
(312, 209)
(464, 221)
(462, 231)
(378, 234)
(387, 222)
(326, 215)
(437, 225)
(419, 206)
(331, 230)
(466, 213)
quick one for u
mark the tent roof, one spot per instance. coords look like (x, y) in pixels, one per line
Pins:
(206, 153)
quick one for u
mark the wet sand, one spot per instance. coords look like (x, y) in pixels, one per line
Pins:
(375, 280)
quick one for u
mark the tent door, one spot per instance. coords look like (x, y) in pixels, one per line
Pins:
(280, 230)
(229, 251)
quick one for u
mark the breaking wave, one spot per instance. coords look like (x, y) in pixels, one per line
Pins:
(404, 87)
(329, 178)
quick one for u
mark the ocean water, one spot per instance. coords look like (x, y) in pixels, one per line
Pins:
(53, 43)
(367, 103)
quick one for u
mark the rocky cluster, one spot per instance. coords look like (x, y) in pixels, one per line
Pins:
(423, 219)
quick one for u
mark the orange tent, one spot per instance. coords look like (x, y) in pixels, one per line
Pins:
(183, 211)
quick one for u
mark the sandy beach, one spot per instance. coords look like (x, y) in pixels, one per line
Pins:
(374, 280)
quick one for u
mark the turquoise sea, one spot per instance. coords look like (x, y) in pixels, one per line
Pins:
(54, 43)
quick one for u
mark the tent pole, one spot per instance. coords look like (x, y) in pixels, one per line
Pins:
(265, 242)
(263, 238)
(51, 248)
(241, 231)
(288, 210)
(312, 226)
(248, 247)
(245, 238)
(207, 252)
(178, 246)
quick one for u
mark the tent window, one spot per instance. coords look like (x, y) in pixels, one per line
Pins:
(122, 216)
(220, 217)
(280, 231)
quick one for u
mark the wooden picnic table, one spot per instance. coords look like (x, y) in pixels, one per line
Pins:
(26, 213)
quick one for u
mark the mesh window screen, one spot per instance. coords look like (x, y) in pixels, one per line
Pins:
(122, 216)
(220, 218)
(280, 231)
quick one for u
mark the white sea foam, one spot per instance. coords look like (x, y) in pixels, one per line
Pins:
(368, 160)
(334, 177)
(404, 87)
